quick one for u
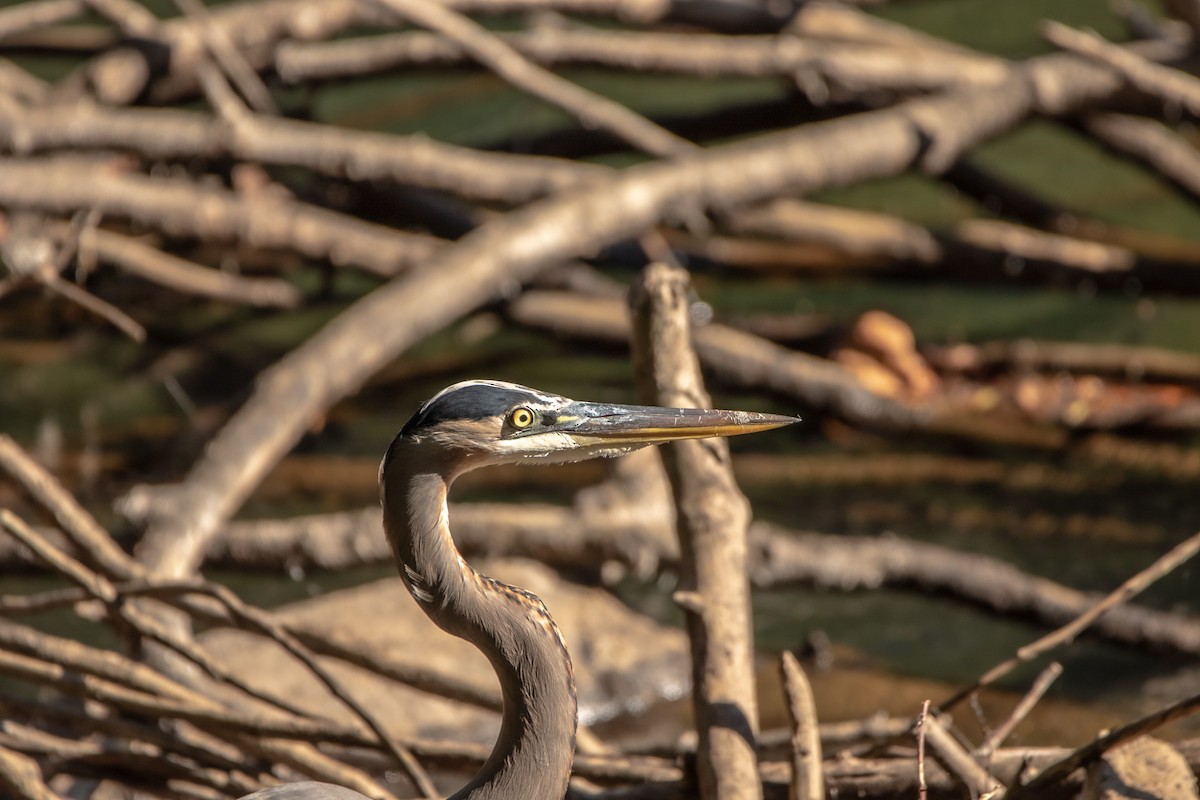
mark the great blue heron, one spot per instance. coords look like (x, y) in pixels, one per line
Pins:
(474, 424)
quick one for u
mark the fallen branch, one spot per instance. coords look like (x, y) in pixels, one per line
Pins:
(186, 209)
(323, 149)
(1171, 85)
(593, 110)
(84, 532)
(1084, 755)
(1151, 143)
(848, 67)
(20, 775)
(1020, 711)
(1129, 589)
(636, 533)
(37, 14)
(148, 263)
(807, 777)
(485, 263)
(978, 781)
(712, 518)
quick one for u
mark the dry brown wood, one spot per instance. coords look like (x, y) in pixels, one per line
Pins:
(979, 782)
(37, 14)
(1186, 10)
(1132, 587)
(849, 68)
(205, 505)
(1151, 143)
(712, 516)
(22, 86)
(255, 28)
(1171, 85)
(91, 719)
(183, 208)
(113, 679)
(149, 626)
(606, 529)
(1082, 756)
(223, 50)
(1130, 362)
(324, 149)
(871, 562)
(34, 256)
(20, 775)
(1020, 711)
(180, 275)
(488, 261)
(920, 729)
(85, 533)
(807, 775)
(592, 110)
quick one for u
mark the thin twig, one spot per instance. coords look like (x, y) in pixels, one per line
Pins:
(851, 66)
(221, 96)
(593, 110)
(1127, 590)
(1152, 143)
(230, 59)
(262, 623)
(180, 275)
(101, 308)
(37, 14)
(80, 527)
(808, 779)
(1022, 709)
(133, 19)
(113, 679)
(955, 757)
(172, 206)
(1102, 744)
(922, 718)
(100, 588)
(1172, 85)
(148, 626)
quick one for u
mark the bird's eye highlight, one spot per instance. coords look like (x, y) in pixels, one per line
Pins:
(521, 417)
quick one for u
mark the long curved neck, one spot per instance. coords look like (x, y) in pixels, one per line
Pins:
(533, 753)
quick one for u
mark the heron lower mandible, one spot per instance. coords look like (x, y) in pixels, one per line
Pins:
(475, 424)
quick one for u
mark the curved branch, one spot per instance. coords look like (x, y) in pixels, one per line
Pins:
(324, 149)
(488, 262)
(593, 110)
(185, 209)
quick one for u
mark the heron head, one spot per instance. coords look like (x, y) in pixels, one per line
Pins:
(477, 423)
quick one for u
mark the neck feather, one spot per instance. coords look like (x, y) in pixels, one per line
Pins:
(533, 753)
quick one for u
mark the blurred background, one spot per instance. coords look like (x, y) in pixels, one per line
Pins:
(1032, 306)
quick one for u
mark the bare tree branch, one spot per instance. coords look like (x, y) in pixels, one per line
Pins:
(593, 110)
(712, 519)
(186, 209)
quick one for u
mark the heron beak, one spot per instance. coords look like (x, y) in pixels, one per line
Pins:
(603, 423)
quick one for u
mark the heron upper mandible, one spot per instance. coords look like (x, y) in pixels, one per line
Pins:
(475, 424)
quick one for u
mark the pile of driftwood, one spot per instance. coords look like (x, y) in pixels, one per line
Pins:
(114, 171)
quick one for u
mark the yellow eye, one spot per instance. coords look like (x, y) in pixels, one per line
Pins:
(521, 417)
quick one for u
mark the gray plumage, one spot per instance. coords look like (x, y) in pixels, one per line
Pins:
(474, 424)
